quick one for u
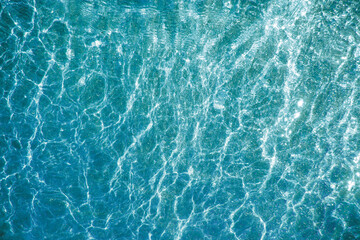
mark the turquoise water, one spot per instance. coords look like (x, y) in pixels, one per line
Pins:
(180, 119)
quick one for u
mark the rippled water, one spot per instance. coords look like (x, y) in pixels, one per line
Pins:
(179, 119)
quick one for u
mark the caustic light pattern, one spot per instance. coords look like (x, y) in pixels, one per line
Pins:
(180, 119)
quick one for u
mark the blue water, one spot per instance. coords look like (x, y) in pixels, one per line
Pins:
(180, 119)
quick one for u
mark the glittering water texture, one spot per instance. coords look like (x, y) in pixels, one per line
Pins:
(179, 119)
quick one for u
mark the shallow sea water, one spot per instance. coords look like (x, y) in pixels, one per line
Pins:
(180, 119)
